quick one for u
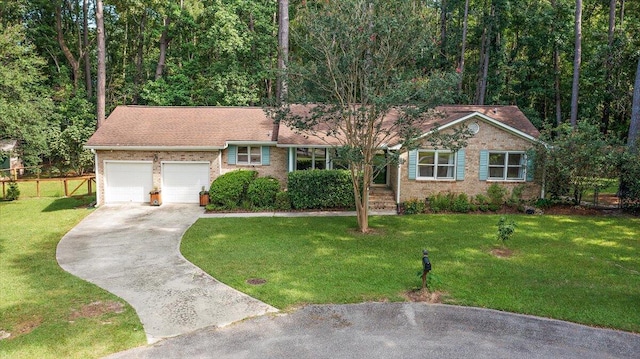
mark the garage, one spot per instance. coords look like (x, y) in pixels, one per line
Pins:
(128, 181)
(183, 181)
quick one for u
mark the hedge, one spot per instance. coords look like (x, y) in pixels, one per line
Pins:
(262, 192)
(230, 190)
(320, 189)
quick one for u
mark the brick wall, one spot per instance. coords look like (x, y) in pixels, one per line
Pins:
(489, 137)
(277, 167)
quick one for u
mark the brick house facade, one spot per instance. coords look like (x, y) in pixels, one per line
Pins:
(182, 149)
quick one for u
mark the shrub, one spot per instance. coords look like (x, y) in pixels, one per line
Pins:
(543, 203)
(505, 229)
(496, 193)
(262, 192)
(229, 190)
(441, 202)
(320, 189)
(482, 202)
(414, 206)
(283, 202)
(13, 192)
(516, 196)
(461, 204)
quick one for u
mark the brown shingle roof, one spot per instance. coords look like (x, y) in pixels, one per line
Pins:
(213, 127)
(148, 126)
(508, 115)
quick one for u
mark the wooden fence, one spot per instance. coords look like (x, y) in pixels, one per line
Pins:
(67, 184)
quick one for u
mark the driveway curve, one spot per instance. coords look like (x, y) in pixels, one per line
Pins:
(395, 330)
(133, 251)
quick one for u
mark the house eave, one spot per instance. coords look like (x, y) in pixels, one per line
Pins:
(154, 148)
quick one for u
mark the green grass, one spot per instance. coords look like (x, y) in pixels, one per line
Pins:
(580, 269)
(50, 188)
(38, 297)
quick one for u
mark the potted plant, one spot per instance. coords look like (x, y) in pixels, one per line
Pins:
(155, 199)
(204, 197)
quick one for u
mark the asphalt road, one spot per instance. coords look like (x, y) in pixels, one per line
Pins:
(395, 330)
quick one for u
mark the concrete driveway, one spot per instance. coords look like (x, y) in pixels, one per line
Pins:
(396, 330)
(133, 252)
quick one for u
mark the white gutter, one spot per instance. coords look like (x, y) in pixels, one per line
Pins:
(245, 143)
(219, 163)
(153, 148)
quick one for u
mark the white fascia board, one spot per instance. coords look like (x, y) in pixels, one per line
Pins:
(250, 143)
(488, 119)
(308, 146)
(154, 148)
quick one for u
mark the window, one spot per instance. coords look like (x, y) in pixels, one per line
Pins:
(507, 166)
(249, 155)
(436, 164)
(311, 158)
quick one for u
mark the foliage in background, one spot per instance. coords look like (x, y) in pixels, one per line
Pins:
(25, 102)
(575, 160)
(320, 189)
(229, 190)
(630, 182)
(76, 122)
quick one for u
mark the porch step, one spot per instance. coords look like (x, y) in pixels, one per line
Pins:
(382, 199)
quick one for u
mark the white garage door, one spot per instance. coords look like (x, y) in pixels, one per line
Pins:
(183, 181)
(128, 181)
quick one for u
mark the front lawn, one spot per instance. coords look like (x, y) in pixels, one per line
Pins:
(47, 312)
(580, 269)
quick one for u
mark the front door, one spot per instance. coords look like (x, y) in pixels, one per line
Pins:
(380, 169)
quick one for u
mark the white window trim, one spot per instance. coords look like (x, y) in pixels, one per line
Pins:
(328, 164)
(435, 170)
(248, 162)
(505, 166)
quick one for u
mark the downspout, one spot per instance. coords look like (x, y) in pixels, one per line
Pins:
(292, 154)
(398, 176)
(220, 162)
(95, 170)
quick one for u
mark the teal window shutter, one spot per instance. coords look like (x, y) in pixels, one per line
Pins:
(484, 165)
(266, 158)
(460, 165)
(530, 166)
(413, 164)
(231, 154)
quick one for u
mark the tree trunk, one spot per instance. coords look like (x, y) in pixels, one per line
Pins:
(634, 125)
(577, 59)
(164, 43)
(464, 44)
(138, 78)
(283, 50)
(606, 106)
(443, 33)
(73, 62)
(556, 68)
(102, 70)
(85, 45)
